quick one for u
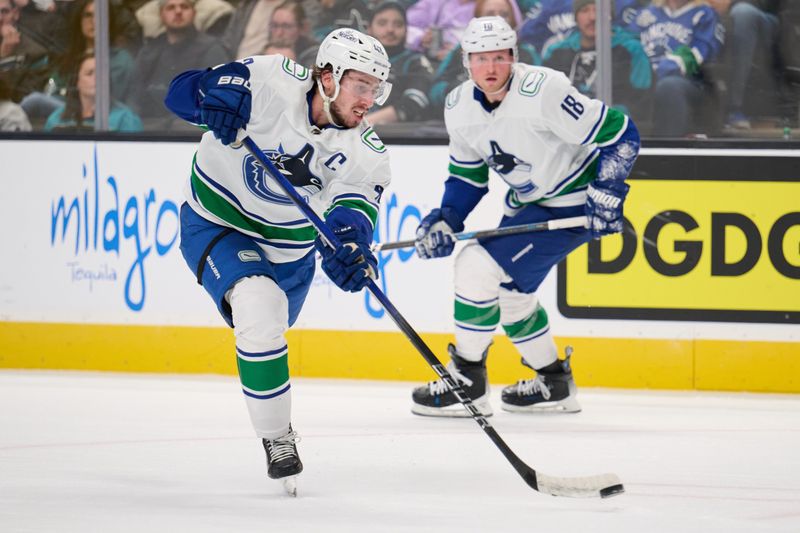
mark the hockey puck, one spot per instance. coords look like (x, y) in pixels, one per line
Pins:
(613, 490)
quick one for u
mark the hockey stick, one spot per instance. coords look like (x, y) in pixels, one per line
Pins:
(547, 225)
(603, 485)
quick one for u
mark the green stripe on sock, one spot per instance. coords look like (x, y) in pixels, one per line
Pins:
(477, 316)
(537, 321)
(264, 375)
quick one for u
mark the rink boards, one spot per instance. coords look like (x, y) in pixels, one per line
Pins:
(701, 292)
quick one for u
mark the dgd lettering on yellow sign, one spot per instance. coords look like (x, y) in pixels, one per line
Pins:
(707, 250)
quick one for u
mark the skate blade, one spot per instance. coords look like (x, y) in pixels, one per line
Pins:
(290, 485)
(451, 411)
(551, 407)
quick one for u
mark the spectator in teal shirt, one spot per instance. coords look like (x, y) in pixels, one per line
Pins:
(576, 56)
(77, 113)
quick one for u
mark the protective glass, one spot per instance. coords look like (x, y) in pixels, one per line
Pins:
(377, 92)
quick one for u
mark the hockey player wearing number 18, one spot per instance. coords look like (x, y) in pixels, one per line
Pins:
(562, 155)
(245, 241)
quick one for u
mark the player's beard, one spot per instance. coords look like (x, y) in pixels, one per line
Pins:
(339, 117)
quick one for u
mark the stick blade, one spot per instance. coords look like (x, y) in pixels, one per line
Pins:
(600, 486)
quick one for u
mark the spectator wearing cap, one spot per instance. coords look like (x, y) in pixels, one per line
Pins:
(411, 74)
(576, 56)
(181, 47)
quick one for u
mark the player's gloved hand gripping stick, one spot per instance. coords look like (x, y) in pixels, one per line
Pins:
(436, 234)
(350, 265)
(603, 485)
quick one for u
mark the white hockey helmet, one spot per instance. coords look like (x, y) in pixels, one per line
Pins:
(346, 48)
(487, 34)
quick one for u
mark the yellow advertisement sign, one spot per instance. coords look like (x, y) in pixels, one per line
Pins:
(693, 250)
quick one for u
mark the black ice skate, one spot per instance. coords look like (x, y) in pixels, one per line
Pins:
(435, 398)
(552, 390)
(283, 461)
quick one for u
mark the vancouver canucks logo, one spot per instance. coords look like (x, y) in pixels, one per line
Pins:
(295, 167)
(504, 163)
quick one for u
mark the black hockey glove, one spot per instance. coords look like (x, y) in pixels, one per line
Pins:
(435, 233)
(352, 264)
(225, 100)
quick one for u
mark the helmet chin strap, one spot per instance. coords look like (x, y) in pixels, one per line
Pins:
(327, 101)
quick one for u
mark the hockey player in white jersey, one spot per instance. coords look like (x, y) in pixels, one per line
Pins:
(248, 245)
(561, 155)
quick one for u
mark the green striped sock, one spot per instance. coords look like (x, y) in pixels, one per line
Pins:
(529, 327)
(472, 315)
(264, 375)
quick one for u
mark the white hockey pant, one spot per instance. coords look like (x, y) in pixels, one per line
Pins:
(481, 304)
(260, 318)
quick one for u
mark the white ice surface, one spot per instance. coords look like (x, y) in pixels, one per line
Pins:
(142, 453)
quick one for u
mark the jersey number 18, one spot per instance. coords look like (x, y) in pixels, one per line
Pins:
(572, 107)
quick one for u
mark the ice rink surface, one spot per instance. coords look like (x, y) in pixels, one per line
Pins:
(143, 453)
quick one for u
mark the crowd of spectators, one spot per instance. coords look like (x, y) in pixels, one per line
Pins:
(680, 67)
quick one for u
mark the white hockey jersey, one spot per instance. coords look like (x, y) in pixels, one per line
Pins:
(542, 140)
(329, 167)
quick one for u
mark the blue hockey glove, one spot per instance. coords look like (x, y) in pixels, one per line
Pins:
(604, 207)
(352, 264)
(225, 100)
(435, 233)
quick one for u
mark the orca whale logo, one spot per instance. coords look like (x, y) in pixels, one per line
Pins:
(504, 162)
(295, 167)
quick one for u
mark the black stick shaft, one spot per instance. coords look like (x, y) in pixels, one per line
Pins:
(527, 473)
